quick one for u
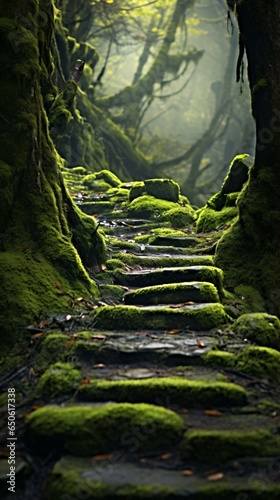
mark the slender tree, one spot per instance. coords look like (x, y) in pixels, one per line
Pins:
(249, 252)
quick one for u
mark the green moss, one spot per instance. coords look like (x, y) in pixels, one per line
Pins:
(86, 430)
(231, 199)
(180, 217)
(130, 317)
(114, 292)
(148, 206)
(165, 189)
(176, 292)
(159, 232)
(261, 328)
(209, 219)
(113, 264)
(115, 242)
(262, 362)
(216, 446)
(219, 359)
(59, 379)
(53, 348)
(175, 390)
(251, 298)
(103, 179)
(137, 189)
(147, 261)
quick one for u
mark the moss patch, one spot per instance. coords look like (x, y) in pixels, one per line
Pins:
(102, 179)
(165, 189)
(262, 362)
(261, 328)
(58, 379)
(147, 261)
(165, 391)
(148, 206)
(85, 430)
(174, 293)
(180, 217)
(203, 317)
(219, 359)
(209, 219)
(214, 447)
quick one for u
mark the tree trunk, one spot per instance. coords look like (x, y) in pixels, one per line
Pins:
(40, 268)
(250, 251)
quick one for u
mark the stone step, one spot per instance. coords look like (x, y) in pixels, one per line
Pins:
(164, 260)
(157, 478)
(167, 275)
(176, 241)
(163, 391)
(198, 317)
(196, 291)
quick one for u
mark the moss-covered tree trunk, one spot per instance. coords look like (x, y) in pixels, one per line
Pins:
(40, 268)
(250, 252)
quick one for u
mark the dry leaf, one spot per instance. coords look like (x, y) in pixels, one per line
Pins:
(174, 331)
(98, 337)
(166, 456)
(189, 303)
(37, 335)
(31, 373)
(103, 267)
(200, 344)
(80, 299)
(99, 365)
(99, 458)
(187, 472)
(216, 476)
(45, 322)
(85, 381)
(213, 413)
(274, 414)
(69, 344)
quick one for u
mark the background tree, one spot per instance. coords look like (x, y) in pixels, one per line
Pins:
(250, 251)
(46, 241)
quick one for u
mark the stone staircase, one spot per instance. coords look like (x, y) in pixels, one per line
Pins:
(139, 396)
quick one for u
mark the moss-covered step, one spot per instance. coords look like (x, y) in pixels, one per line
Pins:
(168, 275)
(96, 207)
(261, 362)
(196, 291)
(194, 317)
(163, 391)
(175, 241)
(90, 430)
(147, 206)
(165, 260)
(216, 446)
(114, 477)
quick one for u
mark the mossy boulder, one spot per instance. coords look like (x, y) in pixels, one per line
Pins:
(175, 390)
(86, 430)
(173, 293)
(219, 359)
(147, 206)
(210, 219)
(216, 446)
(200, 317)
(59, 379)
(165, 189)
(101, 181)
(261, 328)
(180, 217)
(262, 362)
(137, 189)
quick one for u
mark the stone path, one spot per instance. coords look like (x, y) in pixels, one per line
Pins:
(149, 393)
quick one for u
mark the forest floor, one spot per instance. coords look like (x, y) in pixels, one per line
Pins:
(150, 391)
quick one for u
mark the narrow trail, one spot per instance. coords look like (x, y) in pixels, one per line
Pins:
(136, 402)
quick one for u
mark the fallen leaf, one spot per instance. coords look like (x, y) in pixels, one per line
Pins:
(98, 337)
(174, 331)
(80, 299)
(31, 373)
(45, 322)
(99, 458)
(37, 335)
(200, 344)
(166, 456)
(183, 410)
(103, 267)
(85, 381)
(68, 317)
(189, 303)
(274, 414)
(187, 472)
(69, 344)
(216, 476)
(99, 365)
(213, 413)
